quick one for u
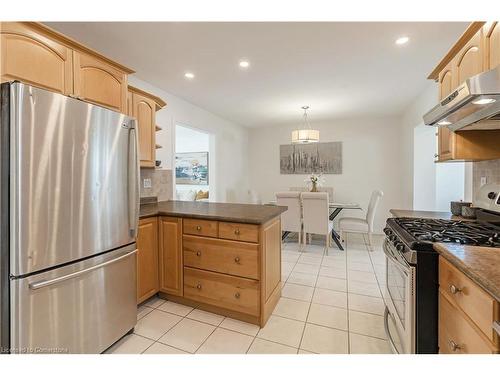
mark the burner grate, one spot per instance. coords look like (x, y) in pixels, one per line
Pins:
(462, 232)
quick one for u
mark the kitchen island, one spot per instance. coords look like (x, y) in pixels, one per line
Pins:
(220, 257)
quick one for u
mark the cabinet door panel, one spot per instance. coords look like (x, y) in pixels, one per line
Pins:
(171, 255)
(99, 83)
(144, 112)
(147, 259)
(492, 46)
(445, 136)
(469, 60)
(30, 57)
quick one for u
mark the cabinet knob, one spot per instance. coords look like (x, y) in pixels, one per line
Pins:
(454, 346)
(454, 289)
(198, 253)
(198, 286)
(237, 295)
(237, 232)
(237, 260)
(198, 228)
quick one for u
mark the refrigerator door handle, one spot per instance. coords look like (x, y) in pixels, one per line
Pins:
(45, 283)
(133, 183)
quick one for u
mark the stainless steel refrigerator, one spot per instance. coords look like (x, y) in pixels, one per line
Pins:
(69, 202)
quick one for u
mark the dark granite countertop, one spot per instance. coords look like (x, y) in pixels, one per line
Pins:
(481, 264)
(425, 214)
(232, 212)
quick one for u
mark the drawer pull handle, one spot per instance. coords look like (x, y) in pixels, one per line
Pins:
(454, 346)
(237, 260)
(198, 253)
(237, 232)
(454, 289)
(237, 295)
(198, 286)
(198, 228)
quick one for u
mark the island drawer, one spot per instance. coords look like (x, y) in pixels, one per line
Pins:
(479, 306)
(228, 292)
(207, 228)
(239, 232)
(234, 258)
(456, 334)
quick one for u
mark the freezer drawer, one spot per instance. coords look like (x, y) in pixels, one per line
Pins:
(80, 308)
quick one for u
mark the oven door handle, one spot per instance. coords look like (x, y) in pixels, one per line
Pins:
(394, 259)
(388, 332)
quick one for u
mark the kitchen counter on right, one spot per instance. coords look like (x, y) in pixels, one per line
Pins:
(480, 263)
(425, 214)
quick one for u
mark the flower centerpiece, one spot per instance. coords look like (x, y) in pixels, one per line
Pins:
(314, 181)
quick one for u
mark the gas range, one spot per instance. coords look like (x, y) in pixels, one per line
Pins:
(411, 290)
(411, 235)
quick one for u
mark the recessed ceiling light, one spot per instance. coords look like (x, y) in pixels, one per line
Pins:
(444, 122)
(244, 64)
(189, 75)
(402, 40)
(484, 101)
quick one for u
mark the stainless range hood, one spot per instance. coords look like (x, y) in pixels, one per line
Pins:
(474, 105)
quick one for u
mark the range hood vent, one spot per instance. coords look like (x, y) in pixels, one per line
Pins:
(474, 105)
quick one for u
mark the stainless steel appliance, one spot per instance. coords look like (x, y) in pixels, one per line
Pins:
(474, 105)
(69, 204)
(411, 295)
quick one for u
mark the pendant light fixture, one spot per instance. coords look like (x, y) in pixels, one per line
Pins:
(305, 135)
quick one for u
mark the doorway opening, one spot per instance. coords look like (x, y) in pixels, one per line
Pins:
(193, 170)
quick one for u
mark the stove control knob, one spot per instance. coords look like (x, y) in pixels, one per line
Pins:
(400, 246)
(491, 195)
(387, 231)
(392, 237)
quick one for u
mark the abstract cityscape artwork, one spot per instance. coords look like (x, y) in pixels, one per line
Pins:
(323, 158)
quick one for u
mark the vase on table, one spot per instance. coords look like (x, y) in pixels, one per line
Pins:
(314, 187)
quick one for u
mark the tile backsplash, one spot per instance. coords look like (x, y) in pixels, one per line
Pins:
(489, 169)
(161, 183)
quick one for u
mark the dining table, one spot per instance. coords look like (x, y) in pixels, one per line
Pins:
(335, 209)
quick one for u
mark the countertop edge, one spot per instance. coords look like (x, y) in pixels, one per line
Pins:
(153, 210)
(475, 276)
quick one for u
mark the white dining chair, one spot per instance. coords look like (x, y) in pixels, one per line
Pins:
(291, 219)
(362, 225)
(315, 216)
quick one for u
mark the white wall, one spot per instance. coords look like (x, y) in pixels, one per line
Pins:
(230, 142)
(411, 118)
(371, 160)
(424, 168)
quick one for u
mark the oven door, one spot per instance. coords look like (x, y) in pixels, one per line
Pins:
(399, 317)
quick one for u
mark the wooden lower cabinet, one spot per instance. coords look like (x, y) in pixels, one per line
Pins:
(238, 277)
(170, 249)
(147, 259)
(466, 314)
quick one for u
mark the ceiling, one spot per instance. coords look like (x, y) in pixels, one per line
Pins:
(339, 69)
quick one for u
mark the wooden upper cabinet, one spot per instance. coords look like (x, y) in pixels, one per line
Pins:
(143, 108)
(445, 136)
(477, 50)
(469, 61)
(98, 82)
(144, 111)
(170, 247)
(31, 56)
(147, 259)
(40, 56)
(492, 45)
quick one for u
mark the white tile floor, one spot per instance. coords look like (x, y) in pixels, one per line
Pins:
(329, 304)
